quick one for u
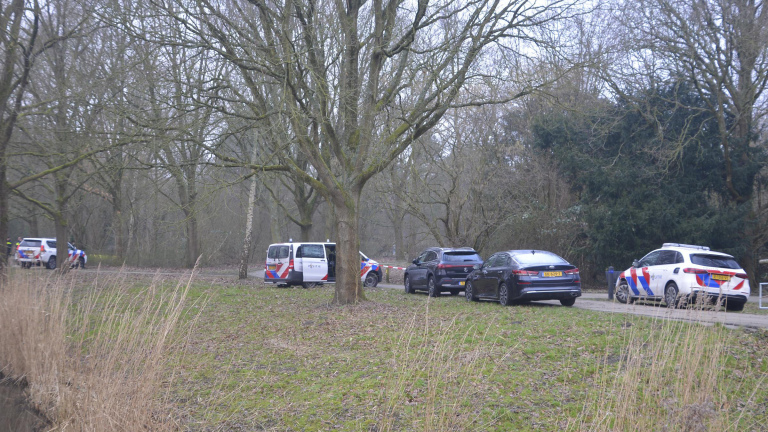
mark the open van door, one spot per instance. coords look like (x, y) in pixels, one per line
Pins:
(313, 262)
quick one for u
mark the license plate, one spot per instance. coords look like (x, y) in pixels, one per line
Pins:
(271, 267)
(461, 283)
(721, 277)
(552, 274)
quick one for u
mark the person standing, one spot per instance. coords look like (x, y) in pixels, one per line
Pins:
(16, 252)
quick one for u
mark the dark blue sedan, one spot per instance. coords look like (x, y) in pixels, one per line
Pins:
(519, 276)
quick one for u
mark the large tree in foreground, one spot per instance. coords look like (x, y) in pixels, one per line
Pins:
(360, 81)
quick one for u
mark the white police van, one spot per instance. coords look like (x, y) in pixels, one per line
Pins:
(311, 263)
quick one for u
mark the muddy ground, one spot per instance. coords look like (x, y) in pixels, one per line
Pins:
(15, 414)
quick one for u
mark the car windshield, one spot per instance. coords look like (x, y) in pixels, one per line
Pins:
(538, 257)
(467, 256)
(29, 243)
(720, 261)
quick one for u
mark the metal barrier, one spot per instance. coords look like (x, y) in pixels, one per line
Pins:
(760, 298)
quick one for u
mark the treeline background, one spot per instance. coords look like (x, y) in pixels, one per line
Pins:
(641, 122)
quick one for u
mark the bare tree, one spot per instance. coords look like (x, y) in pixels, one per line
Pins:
(19, 27)
(371, 77)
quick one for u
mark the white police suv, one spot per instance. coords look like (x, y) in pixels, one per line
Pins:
(678, 273)
(42, 251)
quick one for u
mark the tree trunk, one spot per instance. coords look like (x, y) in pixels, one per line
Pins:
(246, 253)
(3, 217)
(193, 247)
(329, 221)
(397, 226)
(348, 287)
(305, 232)
(117, 227)
(34, 225)
(274, 220)
(62, 251)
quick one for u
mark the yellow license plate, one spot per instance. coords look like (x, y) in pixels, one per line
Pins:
(552, 274)
(461, 283)
(271, 267)
(721, 277)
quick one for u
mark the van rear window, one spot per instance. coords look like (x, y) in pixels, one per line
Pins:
(29, 243)
(278, 252)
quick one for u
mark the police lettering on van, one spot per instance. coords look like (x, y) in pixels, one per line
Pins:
(311, 263)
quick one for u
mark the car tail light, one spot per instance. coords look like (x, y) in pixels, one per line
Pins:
(525, 272)
(572, 271)
(741, 275)
(441, 268)
(290, 265)
(694, 271)
(42, 248)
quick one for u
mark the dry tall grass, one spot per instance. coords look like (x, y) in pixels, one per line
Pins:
(679, 377)
(434, 376)
(93, 359)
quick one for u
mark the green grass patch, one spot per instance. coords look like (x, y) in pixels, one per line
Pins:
(265, 358)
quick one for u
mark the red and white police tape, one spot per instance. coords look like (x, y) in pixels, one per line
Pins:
(392, 267)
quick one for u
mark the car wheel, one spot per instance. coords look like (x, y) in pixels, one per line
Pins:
(568, 302)
(82, 263)
(408, 288)
(51, 264)
(670, 295)
(469, 292)
(309, 284)
(504, 294)
(622, 294)
(734, 306)
(371, 279)
(432, 288)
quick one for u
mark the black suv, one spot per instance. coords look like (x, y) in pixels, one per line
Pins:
(441, 269)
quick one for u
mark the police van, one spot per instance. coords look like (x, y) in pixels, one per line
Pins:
(311, 263)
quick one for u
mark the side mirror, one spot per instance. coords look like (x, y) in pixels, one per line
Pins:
(635, 263)
(416, 261)
(477, 266)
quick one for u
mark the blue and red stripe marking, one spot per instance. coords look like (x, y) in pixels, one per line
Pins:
(644, 281)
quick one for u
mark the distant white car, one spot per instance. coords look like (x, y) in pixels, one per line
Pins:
(678, 273)
(37, 251)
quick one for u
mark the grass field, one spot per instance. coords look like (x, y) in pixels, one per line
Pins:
(284, 359)
(250, 357)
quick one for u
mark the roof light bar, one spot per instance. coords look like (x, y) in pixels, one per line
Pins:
(706, 248)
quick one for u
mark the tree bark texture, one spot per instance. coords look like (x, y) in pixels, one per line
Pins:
(246, 252)
(348, 288)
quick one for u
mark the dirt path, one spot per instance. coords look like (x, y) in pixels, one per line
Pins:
(597, 302)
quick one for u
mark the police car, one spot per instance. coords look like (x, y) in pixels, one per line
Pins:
(678, 273)
(37, 251)
(311, 263)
